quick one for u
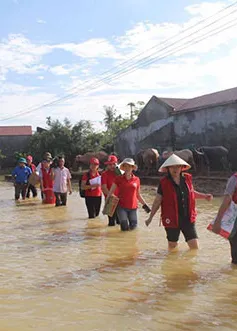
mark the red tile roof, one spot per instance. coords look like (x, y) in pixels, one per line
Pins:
(15, 131)
(212, 99)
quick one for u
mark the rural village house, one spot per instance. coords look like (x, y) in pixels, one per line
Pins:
(168, 123)
(13, 139)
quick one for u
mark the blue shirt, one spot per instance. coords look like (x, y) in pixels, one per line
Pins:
(21, 174)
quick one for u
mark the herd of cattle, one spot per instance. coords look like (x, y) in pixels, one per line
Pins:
(203, 159)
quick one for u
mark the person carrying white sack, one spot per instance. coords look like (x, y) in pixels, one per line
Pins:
(230, 195)
(176, 197)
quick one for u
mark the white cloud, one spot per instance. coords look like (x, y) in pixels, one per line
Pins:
(18, 54)
(40, 21)
(92, 48)
(205, 9)
(186, 73)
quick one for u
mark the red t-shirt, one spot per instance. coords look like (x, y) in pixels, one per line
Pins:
(107, 178)
(128, 191)
(97, 192)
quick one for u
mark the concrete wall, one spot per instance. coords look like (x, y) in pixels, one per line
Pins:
(155, 127)
(11, 144)
(211, 126)
(145, 131)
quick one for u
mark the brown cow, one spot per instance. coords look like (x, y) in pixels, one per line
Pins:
(147, 160)
(84, 159)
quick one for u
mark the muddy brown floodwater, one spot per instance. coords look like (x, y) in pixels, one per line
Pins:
(60, 272)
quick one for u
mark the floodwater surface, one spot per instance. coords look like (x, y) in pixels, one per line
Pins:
(60, 271)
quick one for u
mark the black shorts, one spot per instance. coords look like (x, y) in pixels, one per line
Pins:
(188, 230)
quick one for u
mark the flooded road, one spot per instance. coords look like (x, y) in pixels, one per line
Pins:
(60, 272)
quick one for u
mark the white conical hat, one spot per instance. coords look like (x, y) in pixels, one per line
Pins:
(172, 161)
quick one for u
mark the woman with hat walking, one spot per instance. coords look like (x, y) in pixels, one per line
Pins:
(93, 192)
(107, 179)
(21, 175)
(128, 186)
(176, 196)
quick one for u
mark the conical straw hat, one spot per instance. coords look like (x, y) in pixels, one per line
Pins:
(174, 160)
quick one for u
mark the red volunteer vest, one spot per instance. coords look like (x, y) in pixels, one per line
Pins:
(33, 167)
(234, 197)
(169, 204)
(47, 179)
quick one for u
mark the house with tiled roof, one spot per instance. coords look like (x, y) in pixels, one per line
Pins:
(177, 123)
(14, 139)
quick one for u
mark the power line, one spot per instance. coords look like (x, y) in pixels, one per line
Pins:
(144, 61)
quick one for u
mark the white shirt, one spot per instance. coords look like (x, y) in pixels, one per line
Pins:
(38, 168)
(61, 177)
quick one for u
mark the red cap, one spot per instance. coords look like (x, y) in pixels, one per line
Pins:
(29, 158)
(94, 160)
(112, 159)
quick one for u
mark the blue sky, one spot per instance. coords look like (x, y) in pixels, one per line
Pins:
(49, 47)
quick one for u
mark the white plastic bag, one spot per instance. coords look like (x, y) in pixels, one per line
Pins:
(227, 222)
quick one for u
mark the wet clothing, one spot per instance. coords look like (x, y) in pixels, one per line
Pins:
(20, 189)
(128, 203)
(93, 197)
(178, 201)
(21, 174)
(178, 207)
(127, 218)
(32, 188)
(93, 205)
(128, 189)
(61, 199)
(46, 194)
(188, 230)
(97, 192)
(107, 178)
(231, 189)
(114, 219)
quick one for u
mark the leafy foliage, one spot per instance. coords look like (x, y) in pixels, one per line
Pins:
(71, 140)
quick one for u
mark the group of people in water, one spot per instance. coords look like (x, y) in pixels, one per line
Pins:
(54, 177)
(175, 195)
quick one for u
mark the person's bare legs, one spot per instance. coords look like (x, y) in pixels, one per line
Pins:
(172, 245)
(193, 244)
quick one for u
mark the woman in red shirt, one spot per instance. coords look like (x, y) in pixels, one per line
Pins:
(176, 196)
(107, 179)
(128, 186)
(93, 192)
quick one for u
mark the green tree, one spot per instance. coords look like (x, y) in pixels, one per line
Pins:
(110, 115)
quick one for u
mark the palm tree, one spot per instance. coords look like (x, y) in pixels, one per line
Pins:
(110, 114)
(131, 105)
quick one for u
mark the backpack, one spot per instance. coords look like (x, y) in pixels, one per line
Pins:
(83, 192)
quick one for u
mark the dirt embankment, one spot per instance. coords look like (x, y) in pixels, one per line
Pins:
(213, 185)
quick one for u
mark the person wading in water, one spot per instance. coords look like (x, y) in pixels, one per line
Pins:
(128, 186)
(93, 192)
(230, 194)
(176, 196)
(107, 179)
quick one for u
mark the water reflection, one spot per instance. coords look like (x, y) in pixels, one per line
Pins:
(60, 271)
